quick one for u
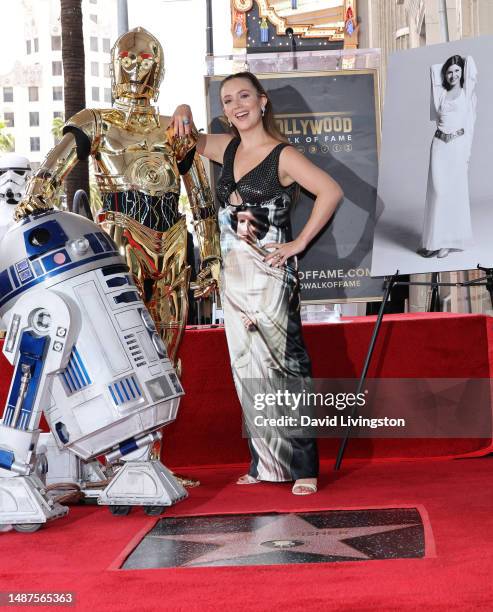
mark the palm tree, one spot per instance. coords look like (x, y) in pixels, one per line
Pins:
(7, 142)
(57, 128)
(74, 83)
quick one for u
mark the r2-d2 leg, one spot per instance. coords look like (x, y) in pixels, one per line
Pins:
(140, 480)
(38, 344)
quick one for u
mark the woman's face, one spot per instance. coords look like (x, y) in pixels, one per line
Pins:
(453, 75)
(246, 227)
(242, 104)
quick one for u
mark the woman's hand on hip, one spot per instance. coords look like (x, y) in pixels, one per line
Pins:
(281, 252)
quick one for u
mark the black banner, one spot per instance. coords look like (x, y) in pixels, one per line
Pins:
(332, 118)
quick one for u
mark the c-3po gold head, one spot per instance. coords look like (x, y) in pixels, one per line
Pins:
(137, 66)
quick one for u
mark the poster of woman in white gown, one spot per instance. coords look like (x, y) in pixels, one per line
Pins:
(447, 222)
(434, 201)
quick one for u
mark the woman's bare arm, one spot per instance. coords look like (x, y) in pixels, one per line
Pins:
(293, 166)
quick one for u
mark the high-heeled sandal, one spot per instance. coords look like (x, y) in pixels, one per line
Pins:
(298, 486)
(246, 479)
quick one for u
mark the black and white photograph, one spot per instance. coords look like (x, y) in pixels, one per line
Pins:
(434, 200)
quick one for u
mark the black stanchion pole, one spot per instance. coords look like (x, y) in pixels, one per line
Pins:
(209, 30)
(388, 288)
(489, 281)
(435, 294)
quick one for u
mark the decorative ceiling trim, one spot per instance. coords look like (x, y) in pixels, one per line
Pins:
(335, 32)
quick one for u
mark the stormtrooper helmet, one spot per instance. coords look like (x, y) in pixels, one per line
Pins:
(15, 172)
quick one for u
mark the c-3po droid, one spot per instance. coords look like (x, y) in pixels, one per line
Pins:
(138, 162)
(87, 355)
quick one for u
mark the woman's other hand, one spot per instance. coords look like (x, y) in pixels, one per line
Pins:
(182, 120)
(249, 323)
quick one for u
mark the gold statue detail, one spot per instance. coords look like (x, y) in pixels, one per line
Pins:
(138, 162)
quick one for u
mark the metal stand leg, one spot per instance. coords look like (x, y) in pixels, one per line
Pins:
(388, 288)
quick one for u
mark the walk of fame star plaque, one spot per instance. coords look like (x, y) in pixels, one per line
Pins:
(268, 539)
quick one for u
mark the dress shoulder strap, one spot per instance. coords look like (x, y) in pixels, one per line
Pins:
(229, 152)
(280, 147)
(277, 150)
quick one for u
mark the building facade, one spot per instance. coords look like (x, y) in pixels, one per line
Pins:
(31, 94)
(393, 25)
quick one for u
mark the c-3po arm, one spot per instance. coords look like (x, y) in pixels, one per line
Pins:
(204, 218)
(78, 135)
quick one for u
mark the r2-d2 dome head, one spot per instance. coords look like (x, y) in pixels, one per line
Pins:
(15, 171)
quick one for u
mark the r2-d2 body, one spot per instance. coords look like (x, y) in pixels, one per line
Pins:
(86, 355)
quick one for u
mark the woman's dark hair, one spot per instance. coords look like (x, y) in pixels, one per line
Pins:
(458, 61)
(259, 221)
(268, 118)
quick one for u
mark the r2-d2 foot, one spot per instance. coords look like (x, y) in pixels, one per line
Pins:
(86, 355)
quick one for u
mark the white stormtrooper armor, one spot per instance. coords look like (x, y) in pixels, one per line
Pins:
(15, 171)
(87, 355)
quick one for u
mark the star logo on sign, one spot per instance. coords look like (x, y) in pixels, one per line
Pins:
(287, 532)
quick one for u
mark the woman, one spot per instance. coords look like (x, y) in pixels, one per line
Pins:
(447, 221)
(260, 288)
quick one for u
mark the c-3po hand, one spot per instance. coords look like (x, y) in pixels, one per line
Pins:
(207, 280)
(28, 205)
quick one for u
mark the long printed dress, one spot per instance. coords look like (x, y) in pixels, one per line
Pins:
(262, 310)
(447, 219)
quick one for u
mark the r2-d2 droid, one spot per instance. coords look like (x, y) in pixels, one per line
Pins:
(86, 355)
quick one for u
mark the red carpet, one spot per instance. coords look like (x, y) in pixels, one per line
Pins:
(79, 552)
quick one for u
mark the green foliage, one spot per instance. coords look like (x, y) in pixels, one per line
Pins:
(57, 127)
(184, 204)
(7, 141)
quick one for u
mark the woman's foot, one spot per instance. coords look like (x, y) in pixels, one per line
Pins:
(186, 482)
(443, 253)
(247, 479)
(304, 486)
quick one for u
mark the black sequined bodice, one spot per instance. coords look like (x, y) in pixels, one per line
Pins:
(258, 185)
